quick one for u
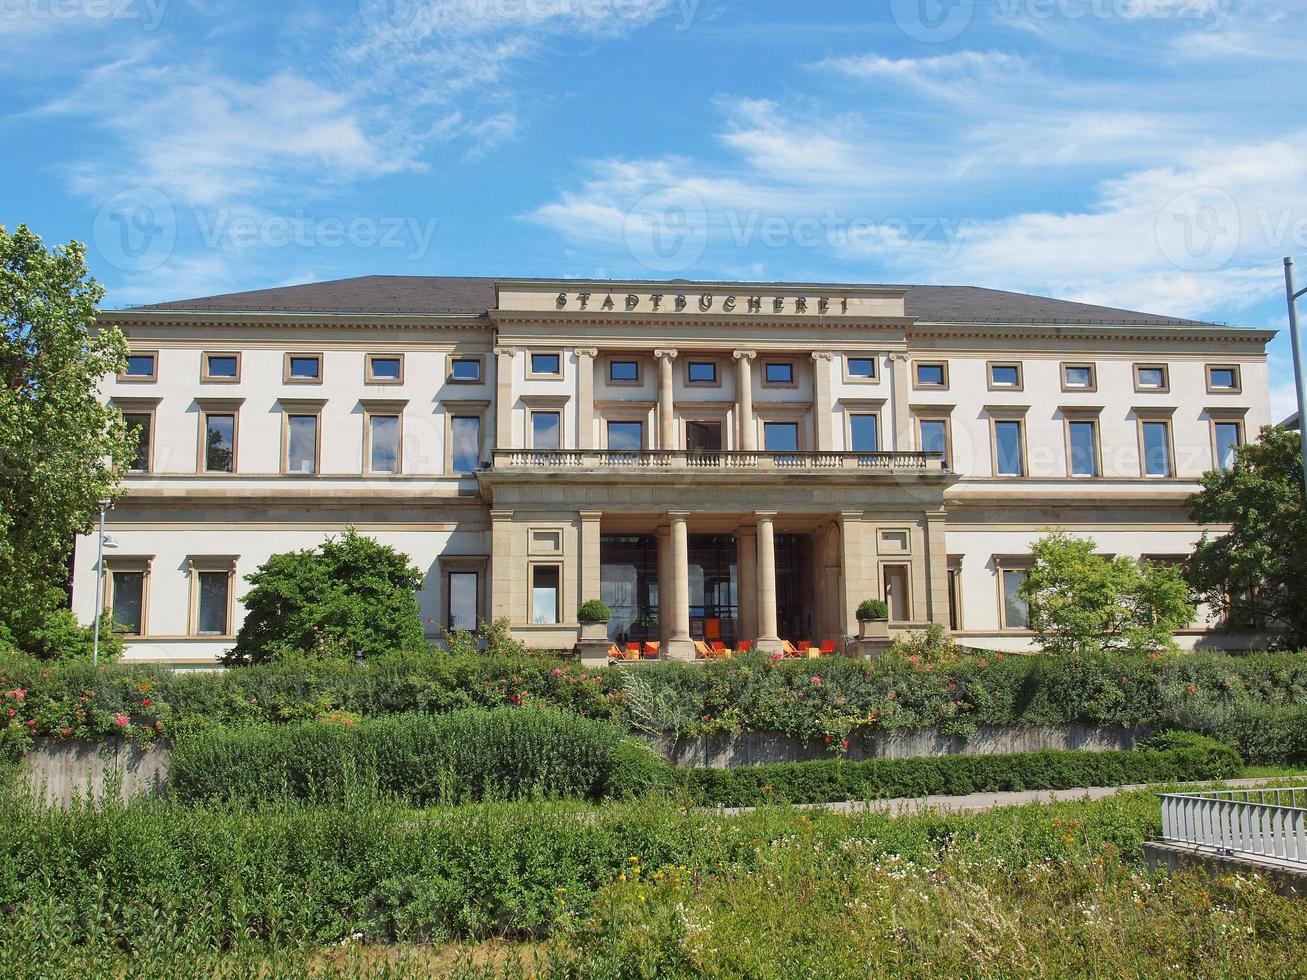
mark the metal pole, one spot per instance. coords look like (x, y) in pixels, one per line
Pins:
(99, 588)
(1299, 368)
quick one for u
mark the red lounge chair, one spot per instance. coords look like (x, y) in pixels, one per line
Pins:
(743, 646)
(805, 646)
(717, 646)
(827, 646)
(651, 649)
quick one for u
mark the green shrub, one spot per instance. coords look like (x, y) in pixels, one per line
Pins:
(1191, 757)
(593, 611)
(420, 760)
(872, 609)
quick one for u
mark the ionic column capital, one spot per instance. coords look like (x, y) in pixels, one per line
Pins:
(899, 355)
(823, 355)
(668, 353)
(766, 515)
(591, 352)
(744, 355)
(505, 351)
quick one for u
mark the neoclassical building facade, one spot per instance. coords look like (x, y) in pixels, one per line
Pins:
(716, 461)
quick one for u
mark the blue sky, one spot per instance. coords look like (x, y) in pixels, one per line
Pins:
(1150, 154)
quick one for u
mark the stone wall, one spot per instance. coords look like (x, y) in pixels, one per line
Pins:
(60, 772)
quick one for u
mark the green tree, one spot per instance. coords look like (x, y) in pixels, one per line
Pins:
(353, 596)
(1080, 601)
(60, 447)
(1254, 573)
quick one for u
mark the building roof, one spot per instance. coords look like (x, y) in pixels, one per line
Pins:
(416, 295)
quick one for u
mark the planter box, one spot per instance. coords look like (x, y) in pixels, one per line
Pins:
(875, 629)
(594, 631)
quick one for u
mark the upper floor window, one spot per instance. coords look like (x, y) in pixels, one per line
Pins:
(140, 426)
(546, 364)
(933, 374)
(303, 369)
(625, 436)
(383, 443)
(1082, 447)
(1009, 452)
(1005, 376)
(1079, 377)
(1151, 377)
(1227, 437)
(780, 437)
(385, 369)
(141, 366)
(860, 368)
(933, 437)
(464, 443)
(302, 443)
(465, 370)
(1155, 440)
(221, 367)
(701, 372)
(778, 373)
(863, 434)
(1223, 378)
(624, 372)
(546, 430)
(218, 451)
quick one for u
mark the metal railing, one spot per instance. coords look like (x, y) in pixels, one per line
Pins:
(660, 459)
(1270, 823)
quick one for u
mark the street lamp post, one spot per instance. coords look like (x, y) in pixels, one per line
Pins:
(1299, 369)
(99, 585)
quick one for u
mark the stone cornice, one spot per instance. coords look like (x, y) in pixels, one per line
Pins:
(1088, 331)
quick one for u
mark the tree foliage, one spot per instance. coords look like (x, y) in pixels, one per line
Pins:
(1080, 601)
(354, 596)
(60, 447)
(1254, 573)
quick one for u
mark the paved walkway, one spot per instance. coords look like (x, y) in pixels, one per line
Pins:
(987, 801)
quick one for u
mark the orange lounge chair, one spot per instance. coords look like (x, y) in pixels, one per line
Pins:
(615, 652)
(703, 649)
(651, 649)
(789, 649)
(827, 646)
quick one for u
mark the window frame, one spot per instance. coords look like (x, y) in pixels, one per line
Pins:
(1066, 366)
(288, 378)
(953, 596)
(369, 375)
(1163, 389)
(470, 565)
(798, 434)
(210, 564)
(533, 375)
(613, 359)
(851, 378)
(533, 567)
(146, 406)
(848, 428)
(1236, 389)
(1020, 421)
(129, 563)
(141, 378)
(1216, 419)
(883, 567)
(779, 362)
(1072, 416)
(531, 414)
(1150, 418)
(925, 414)
(478, 359)
(991, 366)
(716, 381)
(611, 421)
(301, 409)
(209, 407)
(383, 409)
(464, 410)
(208, 377)
(919, 385)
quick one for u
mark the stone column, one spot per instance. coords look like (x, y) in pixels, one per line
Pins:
(585, 396)
(936, 568)
(902, 391)
(503, 574)
(857, 586)
(680, 646)
(590, 576)
(504, 397)
(746, 546)
(666, 597)
(748, 436)
(823, 417)
(768, 640)
(666, 399)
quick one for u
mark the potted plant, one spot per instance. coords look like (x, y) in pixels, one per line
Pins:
(873, 619)
(593, 617)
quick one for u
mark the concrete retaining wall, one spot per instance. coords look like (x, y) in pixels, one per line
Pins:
(767, 748)
(60, 772)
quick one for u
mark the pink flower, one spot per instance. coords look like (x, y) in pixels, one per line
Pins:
(705, 717)
(20, 693)
(826, 739)
(120, 720)
(145, 702)
(1193, 689)
(983, 663)
(777, 657)
(844, 744)
(914, 659)
(998, 656)
(816, 680)
(891, 695)
(558, 671)
(11, 712)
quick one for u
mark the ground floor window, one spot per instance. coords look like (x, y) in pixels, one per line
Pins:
(464, 593)
(545, 593)
(127, 602)
(955, 599)
(629, 586)
(1016, 612)
(896, 593)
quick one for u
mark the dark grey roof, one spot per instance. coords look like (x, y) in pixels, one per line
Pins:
(470, 294)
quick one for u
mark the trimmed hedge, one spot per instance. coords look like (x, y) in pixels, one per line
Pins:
(1192, 758)
(463, 756)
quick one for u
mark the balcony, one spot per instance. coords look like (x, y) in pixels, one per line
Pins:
(676, 460)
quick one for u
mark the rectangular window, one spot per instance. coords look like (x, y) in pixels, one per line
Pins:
(1157, 448)
(464, 596)
(139, 425)
(1151, 377)
(546, 364)
(304, 368)
(955, 599)
(385, 369)
(301, 444)
(140, 367)
(933, 375)
(465, 369)
(863, 436)
(128, 589)
(465, 443)
(1082, 442)
(861, 368)
(625, 436)
(1016, 611)
(546, 430)
(1007, 448)
(221, 367)
(219, 443)
(780, 437)
(624, 372)
(1223, 378)
(383, 443)
(1005, 376)
(701, 372)
(934, 437)
(1228, 436)
(896, 593)
(211, 603)
(703, 437)
(1078, 377)
(545, 581)
(778, 373)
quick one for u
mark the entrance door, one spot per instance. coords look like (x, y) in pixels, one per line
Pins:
(703, 437)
